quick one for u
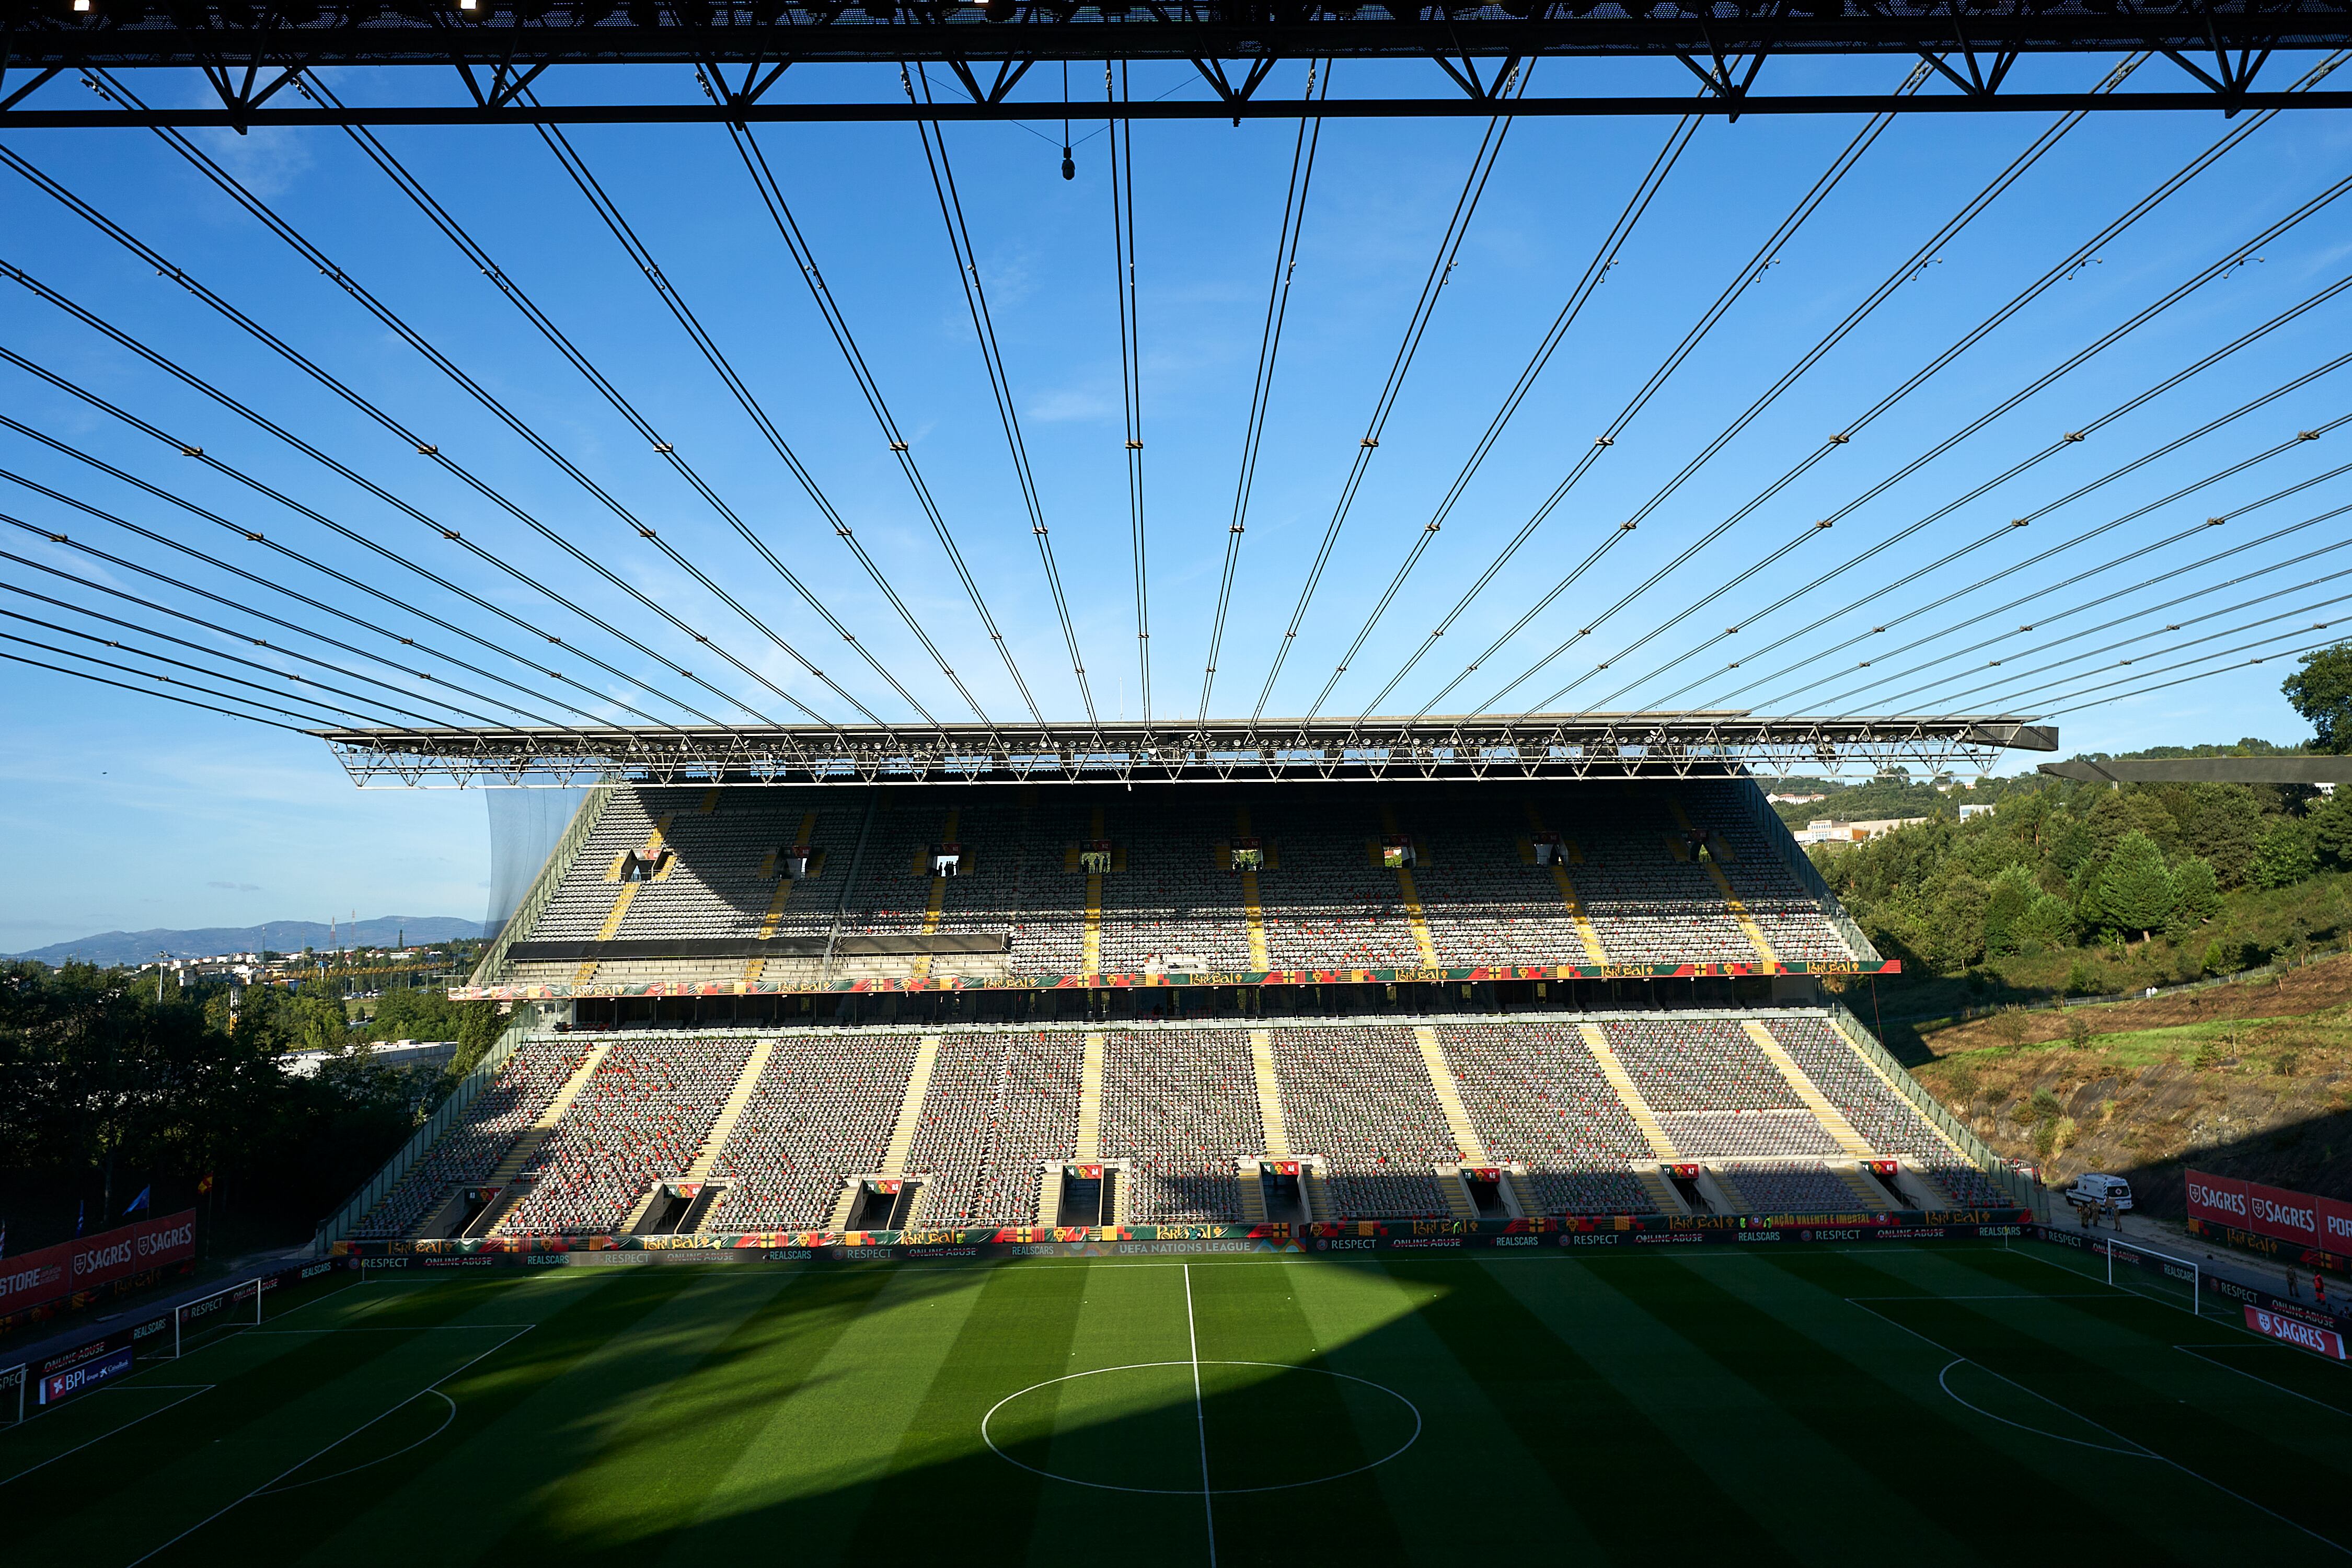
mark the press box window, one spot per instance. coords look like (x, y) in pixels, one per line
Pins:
(1549, 851)
(947, 860)
(1396, 854)
(1248, 855)
(797, 863)
(1093, 857)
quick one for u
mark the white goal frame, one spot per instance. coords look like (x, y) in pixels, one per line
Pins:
(179, 1314)
(2196, 1272)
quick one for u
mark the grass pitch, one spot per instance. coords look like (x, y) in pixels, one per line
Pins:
(1961, 1403)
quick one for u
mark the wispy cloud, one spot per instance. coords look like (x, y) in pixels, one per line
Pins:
(236, 886)
(1070, 404)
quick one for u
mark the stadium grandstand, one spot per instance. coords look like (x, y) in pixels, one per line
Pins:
(900, 1011)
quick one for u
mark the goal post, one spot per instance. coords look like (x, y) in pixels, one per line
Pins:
(225, 1304)
(13, 1380)
(2139, 1260)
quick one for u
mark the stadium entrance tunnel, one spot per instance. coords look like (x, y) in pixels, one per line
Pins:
(1089, 1195)
(883, 1203)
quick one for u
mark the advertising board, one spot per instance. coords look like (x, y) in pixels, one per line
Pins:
(2315, 1223)
(88, 1261)
(2296, 1332)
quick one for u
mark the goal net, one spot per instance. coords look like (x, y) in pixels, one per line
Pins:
(233, 1306)
(2149, 1271)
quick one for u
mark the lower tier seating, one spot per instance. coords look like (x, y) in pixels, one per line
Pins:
(526, 1085)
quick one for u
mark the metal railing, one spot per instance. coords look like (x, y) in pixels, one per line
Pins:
(1977, 1151)
(444, 1116)
(1801, 866)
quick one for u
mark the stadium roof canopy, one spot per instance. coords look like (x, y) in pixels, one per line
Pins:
(1553, 746)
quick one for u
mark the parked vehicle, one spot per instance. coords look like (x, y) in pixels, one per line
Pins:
(2100, 1190)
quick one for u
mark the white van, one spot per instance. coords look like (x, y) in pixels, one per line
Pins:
(2097, 1192)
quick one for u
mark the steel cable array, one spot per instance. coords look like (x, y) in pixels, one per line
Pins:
(1844, 435)
(771, 195)
(1121, 142)
(1277, 308)
(1000, 384)
(1449, 247)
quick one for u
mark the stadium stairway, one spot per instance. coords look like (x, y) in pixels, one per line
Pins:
(1663, 1196)
(1732, 901)
(1252, 912)
(910, 1109)
(1585, 931)
(1272, 1130)
(1090, 935)
(757, 967)
(729, 1113)
(1833, 1121)
(1627, 1091)
(1415, 918)
(931, 911)
(519, 1154)
(1867, 1193)
(1090, 1100)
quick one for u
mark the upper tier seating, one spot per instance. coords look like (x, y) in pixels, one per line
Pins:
(1359, 1096)
(642, 1118)
(526, 1085)
(1536, 1096)
(1327, 902)
(1181, 1107)
(999, 1106)
(822, 1112)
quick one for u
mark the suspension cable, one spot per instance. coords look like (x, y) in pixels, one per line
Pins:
(772, 196)
(1441, 270)
(276, 548)
(387, 421)
(145, 690)
(1121, 142)
(269, 218)
(1904, 272)
(173, 663)
(472, 249)
(227, 470)
(2009, 698)
(992, 355)
(2063, 443)
(1269, 345)
(1843, 437)
(215, 626)
(196, 647)
(2051, 449)
(2049, 617)
(121, 565)
(2203, 674)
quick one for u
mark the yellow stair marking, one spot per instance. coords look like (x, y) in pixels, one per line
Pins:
(1585, 933)
(1449, 1097)
(1261, 956)
(1269, 1095)
(1748, 926)
(1867, 1193)
(1411, 896)
(1943, 1137)
(709, 802)
(746, 1084)
(757, 967)
(1833, 1121)
(1627, 1091)
(1090, 1093)
(1049, 1196)
(537, 1133)
(650, 849)
(910, 1109)
(1662, 1193)
(1090, 946)
(922, 965)
(1457, 1197)
(839, 1222)
(1252, 1192)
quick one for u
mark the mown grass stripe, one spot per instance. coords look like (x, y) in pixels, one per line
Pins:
(1602, 1451)
(1733, 1432)
(1018, 1331)
(1887, 1425)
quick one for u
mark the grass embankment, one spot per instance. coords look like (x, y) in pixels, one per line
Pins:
(2251, 1080)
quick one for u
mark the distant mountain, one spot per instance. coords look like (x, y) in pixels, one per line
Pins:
(281, 936)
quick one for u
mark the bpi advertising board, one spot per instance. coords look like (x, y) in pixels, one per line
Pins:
(2321, 1224)
(33, 1277)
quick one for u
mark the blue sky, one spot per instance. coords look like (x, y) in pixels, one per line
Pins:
(150, 814)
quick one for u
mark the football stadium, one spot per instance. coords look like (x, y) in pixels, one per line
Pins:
(1355, 1138)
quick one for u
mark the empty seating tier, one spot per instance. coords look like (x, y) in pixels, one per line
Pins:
(999, 1107)
(525, 1085)
(1180, 1106)
(822, 1112)
(1537, 1097)
(1359, 1096)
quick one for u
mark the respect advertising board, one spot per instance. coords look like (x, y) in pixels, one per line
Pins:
(88, 1261)
(2314, 1224)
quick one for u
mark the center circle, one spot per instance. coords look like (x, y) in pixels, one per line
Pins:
(1261, 1427)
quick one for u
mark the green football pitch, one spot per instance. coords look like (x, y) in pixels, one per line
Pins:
(1890, 1404)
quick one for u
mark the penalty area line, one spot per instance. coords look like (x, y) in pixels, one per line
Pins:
(2198, 1352)
(296, 1467)
(2096, 1425)
(193, 1390)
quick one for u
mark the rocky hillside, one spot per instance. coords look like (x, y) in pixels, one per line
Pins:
(2251, 1080)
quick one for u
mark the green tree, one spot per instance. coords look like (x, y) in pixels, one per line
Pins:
(2322, 692)
(2331, 830)
(2289, 853)
(2196, 894)
(2011, 896)
(2134, 890)
(2049, 919)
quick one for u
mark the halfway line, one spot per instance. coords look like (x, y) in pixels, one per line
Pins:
(1201, 1413)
